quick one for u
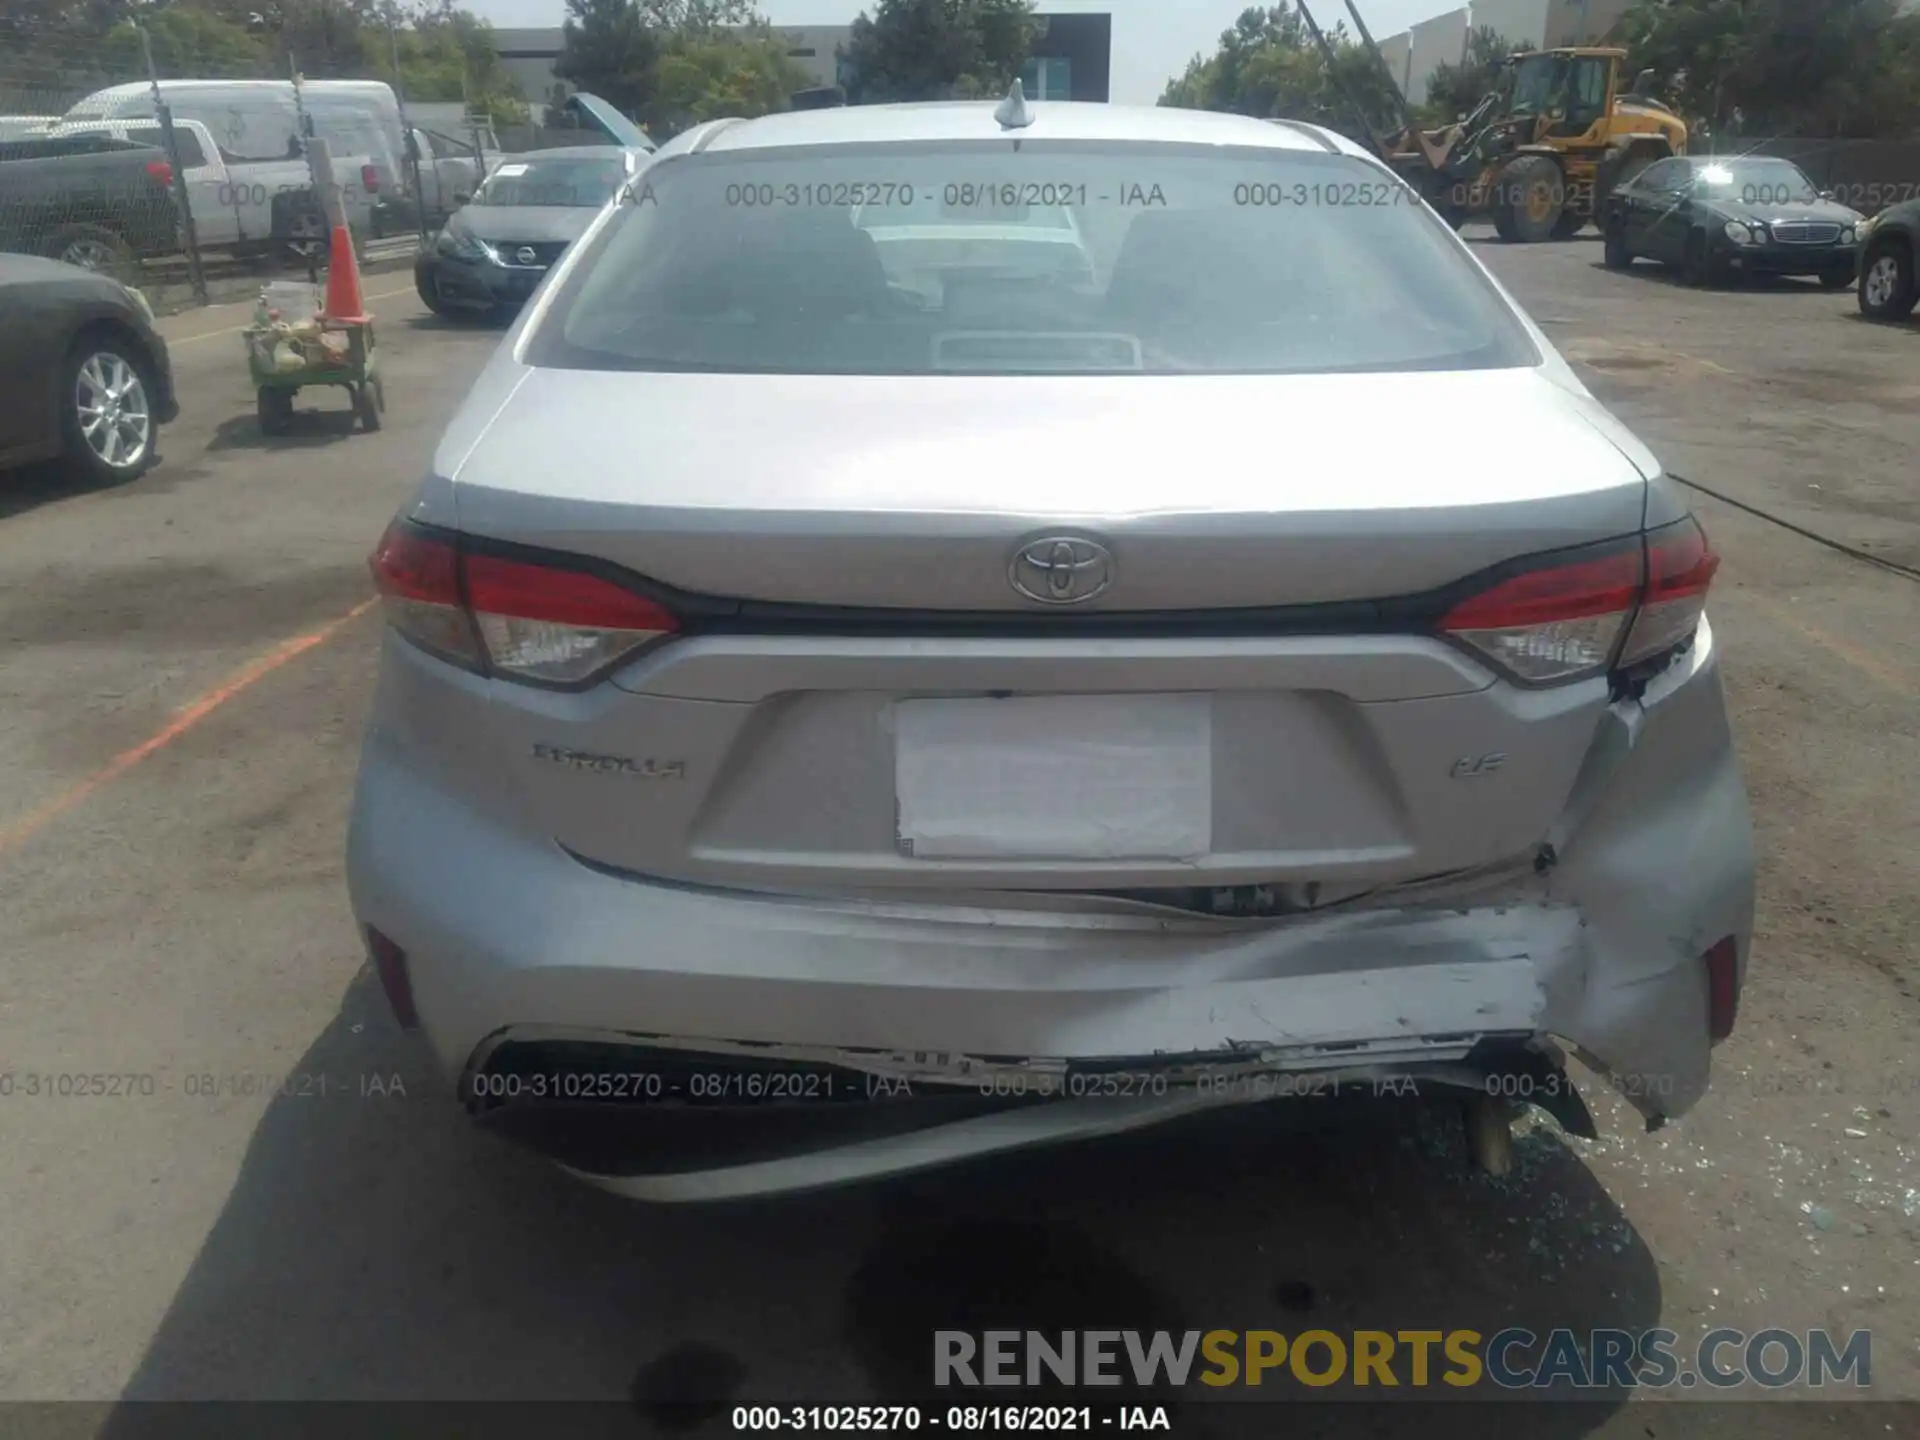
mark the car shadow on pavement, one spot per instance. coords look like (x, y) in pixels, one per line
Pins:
(375, 1246)
(1661, 274)
(47, 482)
(1909, 326)
(476, 321)
(306, 427)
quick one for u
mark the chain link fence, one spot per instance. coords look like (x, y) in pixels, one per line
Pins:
(177, 160)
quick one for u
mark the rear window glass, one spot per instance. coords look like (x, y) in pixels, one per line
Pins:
(585, 181)
(896, 260)
(191, 156)
(1756, 181)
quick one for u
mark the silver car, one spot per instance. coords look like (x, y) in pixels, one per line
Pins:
(836, 719)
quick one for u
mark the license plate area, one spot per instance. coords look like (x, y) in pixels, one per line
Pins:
(1055, 777)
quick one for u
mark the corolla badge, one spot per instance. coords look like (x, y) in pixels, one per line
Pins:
(1061, 569)
(610, 764)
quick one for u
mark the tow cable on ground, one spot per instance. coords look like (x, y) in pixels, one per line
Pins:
(1907, 571)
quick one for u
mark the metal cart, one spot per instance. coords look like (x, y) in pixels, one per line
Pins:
(332, 352)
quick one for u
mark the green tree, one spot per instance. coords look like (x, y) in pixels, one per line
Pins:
(333, 38)
(25, 24)
(703, 76)
(1820, 67)
(1453, 90)
(937, 49)
(1265, 60)
(672, 63)
(450, 54)
(1268, 64)
(446, 53)
(608, 49)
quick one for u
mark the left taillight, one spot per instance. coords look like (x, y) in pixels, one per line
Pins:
(541, 621)
(370, 179)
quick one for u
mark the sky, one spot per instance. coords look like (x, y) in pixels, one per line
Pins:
(1152, 39)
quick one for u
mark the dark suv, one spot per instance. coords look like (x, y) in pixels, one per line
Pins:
(1890, 241)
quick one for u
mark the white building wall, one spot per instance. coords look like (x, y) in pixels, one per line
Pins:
(1412, 54)
(1576, 22)
(1439, 41)
(1522, 22)
(814, 48)
(1398, 51)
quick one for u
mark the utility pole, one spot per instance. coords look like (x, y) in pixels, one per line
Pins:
(188, 237)
(1359, 112)
(411, 143)
(319, 171)
(473, 129)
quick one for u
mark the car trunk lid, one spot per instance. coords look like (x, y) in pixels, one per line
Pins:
(861, 698)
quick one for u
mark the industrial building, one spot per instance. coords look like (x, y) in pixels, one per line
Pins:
(1413, 54)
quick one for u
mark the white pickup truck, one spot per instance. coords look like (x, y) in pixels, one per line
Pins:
(242, 205)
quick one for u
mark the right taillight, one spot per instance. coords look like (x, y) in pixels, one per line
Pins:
(1585, 612)
(539, 620)
(160, 171)
(1680, 568)
(1559, 622)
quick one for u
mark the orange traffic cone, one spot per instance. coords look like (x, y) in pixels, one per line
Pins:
(344, 301)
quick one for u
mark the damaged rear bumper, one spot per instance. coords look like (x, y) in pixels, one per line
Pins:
(664, 1120)
(512, 945)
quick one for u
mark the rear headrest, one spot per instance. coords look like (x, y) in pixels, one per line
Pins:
(806, 264)
(1211, 261)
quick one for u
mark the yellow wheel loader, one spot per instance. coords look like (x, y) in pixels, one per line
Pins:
(1541, 152)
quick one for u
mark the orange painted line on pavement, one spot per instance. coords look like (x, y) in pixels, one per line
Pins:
(36, 820)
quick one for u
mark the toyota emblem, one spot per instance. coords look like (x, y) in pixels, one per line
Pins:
(526, 255)
(1061, 569)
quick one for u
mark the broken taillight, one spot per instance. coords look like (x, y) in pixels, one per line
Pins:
(1584, 612)
(1558, 622)
(543, 620)
(1680, 568)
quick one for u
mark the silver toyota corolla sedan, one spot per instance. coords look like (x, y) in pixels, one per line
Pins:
(851, 703)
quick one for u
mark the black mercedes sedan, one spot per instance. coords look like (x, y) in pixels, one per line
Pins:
(84, 376)
(1713, 216)
(496, 249)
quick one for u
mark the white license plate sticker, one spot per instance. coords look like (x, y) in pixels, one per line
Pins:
(1055, 777)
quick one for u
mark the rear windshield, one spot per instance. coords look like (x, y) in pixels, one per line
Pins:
(188, 144)
(1757, 181)
(582, 181)
(1057, 258)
